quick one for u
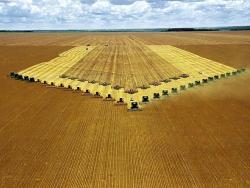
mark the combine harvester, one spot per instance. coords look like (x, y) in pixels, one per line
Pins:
(196, 71)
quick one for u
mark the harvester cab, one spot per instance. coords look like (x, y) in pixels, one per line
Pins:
(216, 77)
(97, 94)
(204, 80)
(165, 92)
(190, 85)
(16, 76)
(242, 69)
(133, 106)
(19, 77)
(32, 79)
(145, 99)
(120, 101)
(12, 74)
(222, 75)
(174, 90)
(156, 95)
(182, 87)
(26, 78)
(197, 82)
(109, 97)
(210, 78)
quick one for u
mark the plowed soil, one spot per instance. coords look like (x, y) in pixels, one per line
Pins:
(172, 38)
(57, 138)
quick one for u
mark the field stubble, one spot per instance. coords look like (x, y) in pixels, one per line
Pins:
(124, 62)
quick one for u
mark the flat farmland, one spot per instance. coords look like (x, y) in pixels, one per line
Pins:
(76, 39)
(58, 138)
(124, 62)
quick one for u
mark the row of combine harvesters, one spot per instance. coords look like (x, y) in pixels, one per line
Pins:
(133, 99)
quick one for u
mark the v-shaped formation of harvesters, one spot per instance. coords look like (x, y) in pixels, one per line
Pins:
(132, 76)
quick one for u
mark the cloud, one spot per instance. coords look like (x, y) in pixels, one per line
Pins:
(94, 14)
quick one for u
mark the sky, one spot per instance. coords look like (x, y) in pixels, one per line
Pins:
(121, 14)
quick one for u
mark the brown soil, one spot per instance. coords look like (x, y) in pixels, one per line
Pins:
(56, 138)
(237, 55)
(191, 38)
(171, 38)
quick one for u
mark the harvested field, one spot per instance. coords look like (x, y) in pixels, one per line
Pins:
(123, 62)
(56, 138)
(127, 71)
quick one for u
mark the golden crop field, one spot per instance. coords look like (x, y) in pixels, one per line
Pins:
(127, 71)
(53, 136)
(124, 62)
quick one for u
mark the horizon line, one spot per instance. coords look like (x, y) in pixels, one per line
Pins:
(133, 29)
